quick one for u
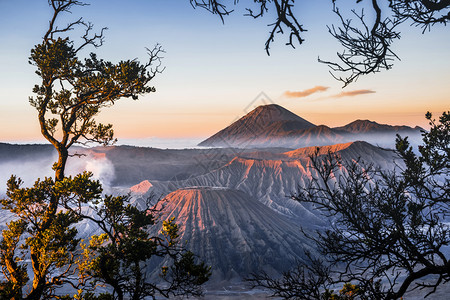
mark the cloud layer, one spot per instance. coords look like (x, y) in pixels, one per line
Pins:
(353, 93)
(305, 93)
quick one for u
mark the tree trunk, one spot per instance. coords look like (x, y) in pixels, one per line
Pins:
(39, 274)
(15, 278)
(137, 293)
(38, 280)
(60, 166)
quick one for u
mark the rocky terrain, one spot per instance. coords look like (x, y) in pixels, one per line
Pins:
(233, 232)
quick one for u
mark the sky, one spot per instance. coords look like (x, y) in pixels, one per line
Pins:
(217, 72)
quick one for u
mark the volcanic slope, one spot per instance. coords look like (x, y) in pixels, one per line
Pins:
(261, 127)
(272, 178)
(233, 232)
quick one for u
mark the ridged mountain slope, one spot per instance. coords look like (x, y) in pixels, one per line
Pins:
(274, 178)
(233, 232)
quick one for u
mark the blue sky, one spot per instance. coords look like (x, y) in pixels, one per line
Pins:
(214, 70)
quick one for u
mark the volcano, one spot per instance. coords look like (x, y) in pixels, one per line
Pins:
(264, 123)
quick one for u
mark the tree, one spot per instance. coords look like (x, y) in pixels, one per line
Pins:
(73, 91)
(367, 43)
(389, 229)
(70, 95)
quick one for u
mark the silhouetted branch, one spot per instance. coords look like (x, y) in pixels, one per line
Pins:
(96, 40)
(308, 280)
(285, 18)
(423, 13)
(213, 6)
(60, 6)
(154, 61)
(366, 48)
(76, 154)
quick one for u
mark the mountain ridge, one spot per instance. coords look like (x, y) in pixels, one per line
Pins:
(274, 126)
(367, 126)
(272, 178)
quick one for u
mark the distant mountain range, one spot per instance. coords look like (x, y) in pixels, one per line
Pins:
(366, 126)
(274, 126)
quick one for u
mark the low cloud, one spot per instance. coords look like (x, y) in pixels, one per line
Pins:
(353, 93)
(305, 93)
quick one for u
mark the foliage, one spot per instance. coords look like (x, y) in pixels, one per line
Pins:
(389, 230)
(348, 292)
(367, 42)
(47, 237)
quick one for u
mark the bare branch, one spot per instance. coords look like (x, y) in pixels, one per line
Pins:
(96, 40)
(422, 13)
(366, 48)
(213, 6)
(285, 18)
(60, 6)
